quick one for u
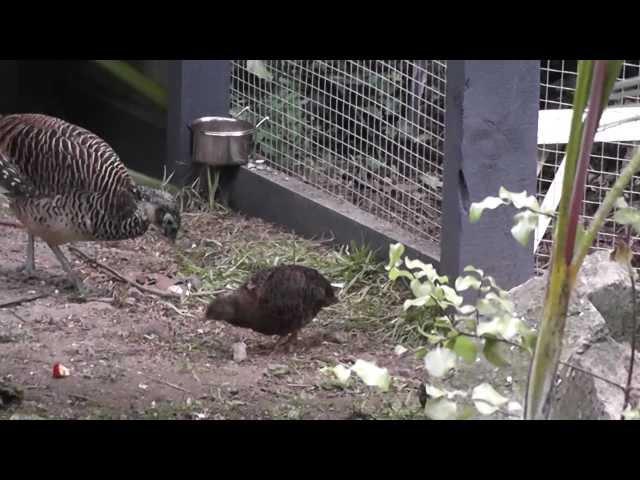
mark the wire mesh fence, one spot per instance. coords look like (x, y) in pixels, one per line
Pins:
(368, 132)
(558, 81)
(371, 133)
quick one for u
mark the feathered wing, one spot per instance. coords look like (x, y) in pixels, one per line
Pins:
(58, 157)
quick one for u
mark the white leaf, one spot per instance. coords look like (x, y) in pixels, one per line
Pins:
(441, 409)
(372, 375)
(476, 209)
(396, 251)
(514, 407)
(259, 69)
(469, 281)
(484, 408)
(420, 289)
(471, 268)
(451, 296)
(426, 270)
(466, 309)
(486, 399)
(525, 224)
(440, 361)
(340, 372)
(399, 350)
(434, 392)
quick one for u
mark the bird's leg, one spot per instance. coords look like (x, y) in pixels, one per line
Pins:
(291, 340)
(30, 265)
(281, 341)
(67, 268)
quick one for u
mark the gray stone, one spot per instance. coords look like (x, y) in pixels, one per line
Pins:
(581, 396)
(593, 342)
(608, 287)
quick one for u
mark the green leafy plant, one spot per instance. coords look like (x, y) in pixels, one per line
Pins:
(571, 243)
(459, 331)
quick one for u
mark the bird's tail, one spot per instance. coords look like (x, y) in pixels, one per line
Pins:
(11, 181)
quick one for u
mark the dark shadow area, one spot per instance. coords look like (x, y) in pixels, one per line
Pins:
(81, 92)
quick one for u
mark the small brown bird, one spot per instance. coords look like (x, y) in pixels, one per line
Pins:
(275, 301)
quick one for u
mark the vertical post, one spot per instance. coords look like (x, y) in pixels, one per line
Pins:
(197, 88)
(491, 141)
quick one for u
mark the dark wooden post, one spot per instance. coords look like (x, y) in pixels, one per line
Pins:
(197, 88)
(491, 141)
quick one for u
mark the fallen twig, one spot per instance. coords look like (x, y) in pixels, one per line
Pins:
(634, 334)
(20, 301)
(121, 277)
(606, 380)
(168, 384)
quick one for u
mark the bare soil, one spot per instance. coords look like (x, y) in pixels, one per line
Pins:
(134, 355)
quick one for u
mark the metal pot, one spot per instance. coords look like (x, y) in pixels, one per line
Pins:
(221, 141)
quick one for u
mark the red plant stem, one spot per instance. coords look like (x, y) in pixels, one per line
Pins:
(588, 134)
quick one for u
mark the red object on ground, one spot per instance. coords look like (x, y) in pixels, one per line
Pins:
(60, 371)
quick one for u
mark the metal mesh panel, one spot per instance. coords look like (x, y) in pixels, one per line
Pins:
(558, 80)
(367, 132)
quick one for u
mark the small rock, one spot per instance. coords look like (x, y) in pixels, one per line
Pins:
(239, 352)
(277, 369)
(178, 290)
(336, 337)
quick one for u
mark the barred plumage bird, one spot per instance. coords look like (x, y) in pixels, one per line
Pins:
(66, 184)
(275, 301)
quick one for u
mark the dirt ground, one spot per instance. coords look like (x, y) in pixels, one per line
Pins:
(133, 355)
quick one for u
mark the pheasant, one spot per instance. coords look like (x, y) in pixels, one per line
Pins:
(66, 184)
(275, 301)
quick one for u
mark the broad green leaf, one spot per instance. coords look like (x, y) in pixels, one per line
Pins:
(259, 69)
(395, 273)
(466, 348)
(471, 268)
(525, 224)
(425, 270)
(529, 340)
(476, 209)
(491, 352)
(621, 203)
(396, 251)
(519, 200)
(486, 307)
(631, 414)
(420, 289)
(628, 216)
(439, 362)
(451, 296)
(486, 399)
(339, 372)
(441, 409)
(466, 309)
(504, 326)
(434, 392)
(372, 375)
(467, 412)
(433, 339)
(416, 302)
(469, 281)
(421, 352)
